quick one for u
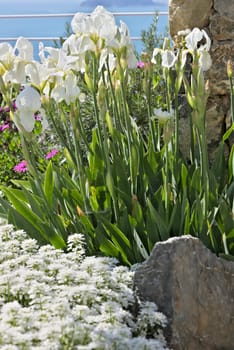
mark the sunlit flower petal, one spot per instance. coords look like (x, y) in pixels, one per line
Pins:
(184, 57)
(71, 87)
(163, 116)
(104, 23)
(80, 23)
(131, 59)
(205, 61)
(5, 50)
(208, 41)
(155, 54)
(58, 93)
(168, 59)
(193, 38)
(44, 121)
(17, 73)
(27, 102)
(100, 22)
(24, 48)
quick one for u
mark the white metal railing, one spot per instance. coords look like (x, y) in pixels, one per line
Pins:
(44, 15)
(64, 15)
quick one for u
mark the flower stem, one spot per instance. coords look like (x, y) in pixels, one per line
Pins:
(232, 99)
(176, 126)
(204, 169)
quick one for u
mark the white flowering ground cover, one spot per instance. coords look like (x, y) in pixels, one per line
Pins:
(50, 299)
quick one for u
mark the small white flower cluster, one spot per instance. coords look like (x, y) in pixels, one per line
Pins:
(50, 299)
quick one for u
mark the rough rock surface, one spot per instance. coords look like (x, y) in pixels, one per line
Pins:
(217, 18)
(185, 14)
(194, 289)
(224, 7)
(220, 53)
(222, 27)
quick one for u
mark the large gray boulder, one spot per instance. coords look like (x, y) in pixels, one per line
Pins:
(194, 289)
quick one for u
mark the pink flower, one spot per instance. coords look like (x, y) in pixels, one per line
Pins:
(21, 167)
(14, 106)
(37, 116)
(140, 64)
(4, 126)
(51, 154)
(7, 109)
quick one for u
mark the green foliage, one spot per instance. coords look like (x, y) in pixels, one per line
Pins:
(11, 151)
(151, 38)
(68, 31)
(125, 183)
(128, 190)
(32, 210)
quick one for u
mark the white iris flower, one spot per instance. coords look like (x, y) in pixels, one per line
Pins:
(28, 102)
(168, 57)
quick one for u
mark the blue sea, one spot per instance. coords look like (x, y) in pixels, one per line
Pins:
(55, 27)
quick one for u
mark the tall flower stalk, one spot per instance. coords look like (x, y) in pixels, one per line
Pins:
(197, 95)
(230, 77)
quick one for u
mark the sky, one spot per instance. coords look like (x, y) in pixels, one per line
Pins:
(86, 2)
(20, 6)
(51, 27)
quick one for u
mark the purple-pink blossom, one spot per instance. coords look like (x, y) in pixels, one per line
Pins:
(37, 116)
(51, 154)
(14, 105)
(21, 167)
(7, 109)
(140, 64)
(4, 126)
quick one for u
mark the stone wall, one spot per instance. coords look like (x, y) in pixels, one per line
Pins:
(194, 289)
(217, 18)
